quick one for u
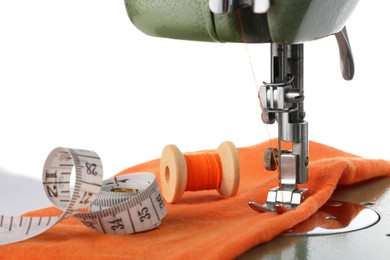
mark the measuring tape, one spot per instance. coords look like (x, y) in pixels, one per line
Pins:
(120, 205)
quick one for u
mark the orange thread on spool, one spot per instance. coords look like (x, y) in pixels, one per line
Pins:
(218, 170)
(204, 171)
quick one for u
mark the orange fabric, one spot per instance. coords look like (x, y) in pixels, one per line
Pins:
(202, 224)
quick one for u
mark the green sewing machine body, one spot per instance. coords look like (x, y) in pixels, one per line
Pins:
(285, 22)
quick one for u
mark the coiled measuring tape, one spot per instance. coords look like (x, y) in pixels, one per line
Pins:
(120, 205)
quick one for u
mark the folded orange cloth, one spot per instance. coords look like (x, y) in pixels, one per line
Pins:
(202, 224)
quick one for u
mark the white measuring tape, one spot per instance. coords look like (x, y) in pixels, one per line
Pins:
(120, 205)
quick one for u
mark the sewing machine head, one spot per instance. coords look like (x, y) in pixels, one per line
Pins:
(250, 21)
(264, 21)
(286, 25)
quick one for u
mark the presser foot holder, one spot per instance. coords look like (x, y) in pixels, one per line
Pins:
(281, 201)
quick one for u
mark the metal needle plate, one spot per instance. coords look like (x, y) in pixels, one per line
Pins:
(336, 217)
(366, 243)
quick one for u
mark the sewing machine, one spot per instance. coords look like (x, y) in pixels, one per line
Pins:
(285, 25)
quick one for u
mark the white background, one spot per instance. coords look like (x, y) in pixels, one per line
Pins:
(78, 74)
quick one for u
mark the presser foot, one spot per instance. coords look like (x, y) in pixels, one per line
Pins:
(281, 201)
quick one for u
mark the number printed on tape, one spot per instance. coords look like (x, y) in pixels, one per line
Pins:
(120, 205)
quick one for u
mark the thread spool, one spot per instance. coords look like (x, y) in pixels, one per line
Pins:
(175, 174)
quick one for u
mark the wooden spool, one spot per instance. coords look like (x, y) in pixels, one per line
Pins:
(173, 172)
